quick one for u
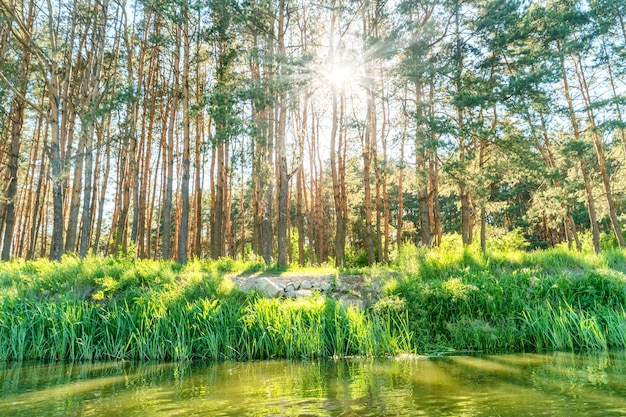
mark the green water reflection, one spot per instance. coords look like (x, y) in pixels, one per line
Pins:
(500, 385)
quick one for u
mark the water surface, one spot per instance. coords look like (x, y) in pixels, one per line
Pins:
(559, 384)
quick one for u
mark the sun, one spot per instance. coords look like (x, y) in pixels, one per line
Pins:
(339, 74)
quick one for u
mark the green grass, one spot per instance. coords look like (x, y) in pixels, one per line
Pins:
(442, 300)
(98, 309)
(459, 299)
(155, 329)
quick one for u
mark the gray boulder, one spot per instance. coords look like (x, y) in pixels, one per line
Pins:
(268, 288)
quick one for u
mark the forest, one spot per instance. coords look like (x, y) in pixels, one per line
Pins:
(309, 132)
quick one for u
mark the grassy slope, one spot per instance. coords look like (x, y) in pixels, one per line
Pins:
(122, 309)
(513, 300)
(446, 299)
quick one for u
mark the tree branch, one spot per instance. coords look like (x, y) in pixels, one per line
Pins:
(36, 107)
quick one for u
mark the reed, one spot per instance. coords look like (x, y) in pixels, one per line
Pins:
(180, 330)
(458, 299)
(442, 300)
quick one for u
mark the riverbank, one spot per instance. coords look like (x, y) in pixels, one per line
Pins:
(436, 301)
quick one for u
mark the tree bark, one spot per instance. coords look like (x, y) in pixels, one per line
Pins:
(282, 180)
(169, 153)
(599, 148)
(595, 232)
(183, 233)
(16, 117)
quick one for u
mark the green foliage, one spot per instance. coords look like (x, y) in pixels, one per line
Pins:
(154, 327)
(408, 259)
(155, 310)
(457, 300)
(511, 241)
(445, 299)
(356, 258)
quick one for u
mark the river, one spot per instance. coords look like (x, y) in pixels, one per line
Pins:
(554, 384)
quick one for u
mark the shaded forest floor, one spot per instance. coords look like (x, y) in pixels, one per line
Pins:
(446, 300)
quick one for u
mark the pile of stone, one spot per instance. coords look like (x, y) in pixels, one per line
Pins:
(286, 286)
(275, 287)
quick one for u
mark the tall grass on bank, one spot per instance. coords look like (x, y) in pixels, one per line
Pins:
(512, 300)
(445, 299)
(237, 328)
(566, 328)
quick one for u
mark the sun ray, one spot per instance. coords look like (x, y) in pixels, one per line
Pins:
(339, 74)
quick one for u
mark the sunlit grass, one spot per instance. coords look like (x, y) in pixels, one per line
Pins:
(154, 329)
(512, 300)
(440, 300)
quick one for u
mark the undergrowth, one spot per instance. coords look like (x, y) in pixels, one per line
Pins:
(441, 300)
(114, 308)
(509, 299)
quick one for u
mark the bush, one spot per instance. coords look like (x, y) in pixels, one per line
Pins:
(514, 240)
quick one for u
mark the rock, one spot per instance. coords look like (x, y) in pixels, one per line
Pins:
(268, 288)
(296, 285)
(304, 293)
(306, 285)
(325, 286)
(249, 285)
(290, 291)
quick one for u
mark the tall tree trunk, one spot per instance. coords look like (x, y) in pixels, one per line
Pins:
(434, 196)
(369, 140)
(320, 221)
(103, 193)
(198, 157)
(399, 225)
(300, 186)
(198, 191)
(548, 157)
(599, 148)
(225, 242)
(433, 174)
(77, 187)
(464, 192)
(421, 140)
(85, 235)
(144, 217)
(367, 164)
(378, 202)
(217, 236)
(40, 194)
(29, 194)
(267, 232)
(17, 121)
(169, 154)
(482, 201)
(183, 233)
(266, 225)
(242, 196)
(258, 148)
(281, 128)
(311, 209)
(385, 193)
(595, 231)
(335, 149)
(56, 163)
(138, 161)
